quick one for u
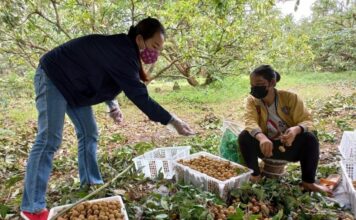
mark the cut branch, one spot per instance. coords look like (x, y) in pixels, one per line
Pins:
(63, 211)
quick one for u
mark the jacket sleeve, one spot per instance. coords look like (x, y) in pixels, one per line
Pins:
(251, 117)
(300, 114)
(127, 77)
(112, 104)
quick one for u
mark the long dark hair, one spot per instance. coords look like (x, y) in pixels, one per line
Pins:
(147, 28)
(267, 72)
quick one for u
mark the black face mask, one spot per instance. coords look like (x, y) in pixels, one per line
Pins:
(259, 92)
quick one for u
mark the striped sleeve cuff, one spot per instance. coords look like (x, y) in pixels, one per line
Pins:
(304, 128)
(255, 131)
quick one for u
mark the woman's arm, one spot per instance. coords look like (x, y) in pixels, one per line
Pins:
(251, 117)
(300, 114)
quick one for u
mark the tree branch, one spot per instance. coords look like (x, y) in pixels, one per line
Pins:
(92, 20)
(45, 32)
(56, 12)
(132, 12)
(25, 55)
(39, 13)
(163, 70)
(27, 17)
(177, 76)
(29, 43)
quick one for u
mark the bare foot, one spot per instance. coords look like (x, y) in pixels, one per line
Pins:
(314, 187)
(255, 179)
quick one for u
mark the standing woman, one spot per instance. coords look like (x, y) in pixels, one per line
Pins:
(73, 77)
(275, 118)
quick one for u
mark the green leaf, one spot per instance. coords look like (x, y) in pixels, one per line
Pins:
(4, 210)
(278, 216)
(254, 217)
(161, 216)
(164, 204)
(14, 179)
(237, 216)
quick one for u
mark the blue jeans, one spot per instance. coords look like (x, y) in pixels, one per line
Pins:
(52, 106)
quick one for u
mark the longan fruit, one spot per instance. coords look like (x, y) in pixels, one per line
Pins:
(75, 213)
(80, 207)
(265, 210)
(117, 214)
(255, 209)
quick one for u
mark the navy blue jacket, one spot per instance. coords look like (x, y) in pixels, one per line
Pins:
(96, 68)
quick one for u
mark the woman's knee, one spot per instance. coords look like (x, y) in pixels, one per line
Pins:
(47, 142)
(245, 140)
(244, 137)
(88, 133)
(311, 138)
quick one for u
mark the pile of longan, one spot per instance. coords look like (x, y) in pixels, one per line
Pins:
(219, 169)
(103, 210)
(255, 207)
(220, 212)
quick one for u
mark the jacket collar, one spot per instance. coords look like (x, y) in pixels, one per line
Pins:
(134, 45)
(260, 101)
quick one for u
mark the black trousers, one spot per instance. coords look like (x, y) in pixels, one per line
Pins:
(305, 148)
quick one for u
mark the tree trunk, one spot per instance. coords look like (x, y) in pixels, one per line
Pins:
(184, 69)
(193, 81)
(209, 79)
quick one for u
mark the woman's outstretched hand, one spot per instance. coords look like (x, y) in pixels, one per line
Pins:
(180, 126)
(116, 115)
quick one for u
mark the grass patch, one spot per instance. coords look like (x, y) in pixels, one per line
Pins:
(220, 91)
(237, 87)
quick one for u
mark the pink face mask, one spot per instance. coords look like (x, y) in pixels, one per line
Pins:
(148, 55)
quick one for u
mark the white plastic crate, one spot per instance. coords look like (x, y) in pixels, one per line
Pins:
(160, 160)
(348, 168)
(208, 183)
(347, 145)
(57, 209)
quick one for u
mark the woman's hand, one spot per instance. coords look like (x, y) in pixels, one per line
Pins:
(288, 137)
(180, 126)
(266, 145)
(116, 115)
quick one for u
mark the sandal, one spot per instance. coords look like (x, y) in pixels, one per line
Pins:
(332, 181)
